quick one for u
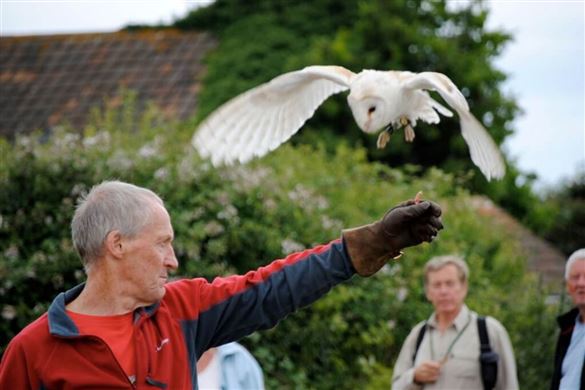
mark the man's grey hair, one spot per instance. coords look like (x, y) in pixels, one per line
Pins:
(109, 206)
(438, 262)
(579, 254)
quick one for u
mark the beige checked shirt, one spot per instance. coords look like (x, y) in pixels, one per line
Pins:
(462, 368)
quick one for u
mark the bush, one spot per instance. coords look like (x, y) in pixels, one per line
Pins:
(232, 219)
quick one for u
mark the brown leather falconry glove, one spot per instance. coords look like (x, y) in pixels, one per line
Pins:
(407, 224)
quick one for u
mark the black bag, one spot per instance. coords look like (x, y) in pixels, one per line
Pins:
(488, 359)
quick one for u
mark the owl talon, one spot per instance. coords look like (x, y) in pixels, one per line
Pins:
(383, 139)
(409, 133)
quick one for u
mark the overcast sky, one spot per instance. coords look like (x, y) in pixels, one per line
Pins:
(545, 63)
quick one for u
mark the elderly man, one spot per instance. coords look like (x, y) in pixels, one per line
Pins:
(444, 351)
(126, 327)
(569, 372)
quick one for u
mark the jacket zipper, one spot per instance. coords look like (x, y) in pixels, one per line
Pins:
(133, 384)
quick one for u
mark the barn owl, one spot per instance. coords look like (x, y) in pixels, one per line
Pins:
(260, 119)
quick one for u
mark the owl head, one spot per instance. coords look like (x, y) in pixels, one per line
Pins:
(368, 100)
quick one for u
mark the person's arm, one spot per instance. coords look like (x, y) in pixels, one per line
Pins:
(232, 307)
(500, 341)
(403, 373)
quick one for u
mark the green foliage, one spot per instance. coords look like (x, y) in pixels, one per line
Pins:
(233, 219)
(565, 208)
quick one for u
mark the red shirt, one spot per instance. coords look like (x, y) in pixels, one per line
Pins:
(116, 331)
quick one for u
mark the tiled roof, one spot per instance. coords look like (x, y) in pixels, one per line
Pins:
(543, 257)
(46, 80)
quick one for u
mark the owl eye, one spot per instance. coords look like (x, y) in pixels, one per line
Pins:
(371, 109)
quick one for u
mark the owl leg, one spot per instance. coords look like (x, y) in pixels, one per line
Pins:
(384, 137)
(408, 130)
(409, 133)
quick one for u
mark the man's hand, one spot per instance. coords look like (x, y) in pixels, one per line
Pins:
(427, 372)
(408, 224)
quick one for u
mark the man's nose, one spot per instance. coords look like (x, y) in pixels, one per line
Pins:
(171, 260)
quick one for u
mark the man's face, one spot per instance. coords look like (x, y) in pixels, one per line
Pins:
(576, 283)
(149, 257)
(445, 290)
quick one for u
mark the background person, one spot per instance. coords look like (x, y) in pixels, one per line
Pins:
(449, 351)
(229, 367)
(569, 371)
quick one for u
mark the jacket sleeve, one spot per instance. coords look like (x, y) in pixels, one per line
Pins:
(232, 307)
(403, 373)
(500, 342)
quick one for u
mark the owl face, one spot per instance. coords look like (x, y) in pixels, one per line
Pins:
(370, 98)
(368, 112)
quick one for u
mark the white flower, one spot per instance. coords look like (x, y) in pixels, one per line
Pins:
(66, 141)
(101, 138)
(161, 173)
(330, 223)
(24, 142)
(8, 312)
(228, 213)
(223, 198)
(289, 245)
(11, 252)
(147, 151)
(78, 190)
(401, 294)
(197, 213)
(119, 161)
(213, 228)
(306, 199)
(245, 178)
(269, 204)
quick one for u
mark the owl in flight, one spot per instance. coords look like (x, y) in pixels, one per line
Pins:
(260, 119)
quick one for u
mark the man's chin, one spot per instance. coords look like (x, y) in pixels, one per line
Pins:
(158, 295)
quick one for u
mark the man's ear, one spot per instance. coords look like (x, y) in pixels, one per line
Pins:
(113, 244)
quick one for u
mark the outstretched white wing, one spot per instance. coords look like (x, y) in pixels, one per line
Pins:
(259, 120)
(484, 151)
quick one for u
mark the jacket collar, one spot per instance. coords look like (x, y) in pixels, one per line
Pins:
(60, 324)
(459, 322)
(567, 320)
